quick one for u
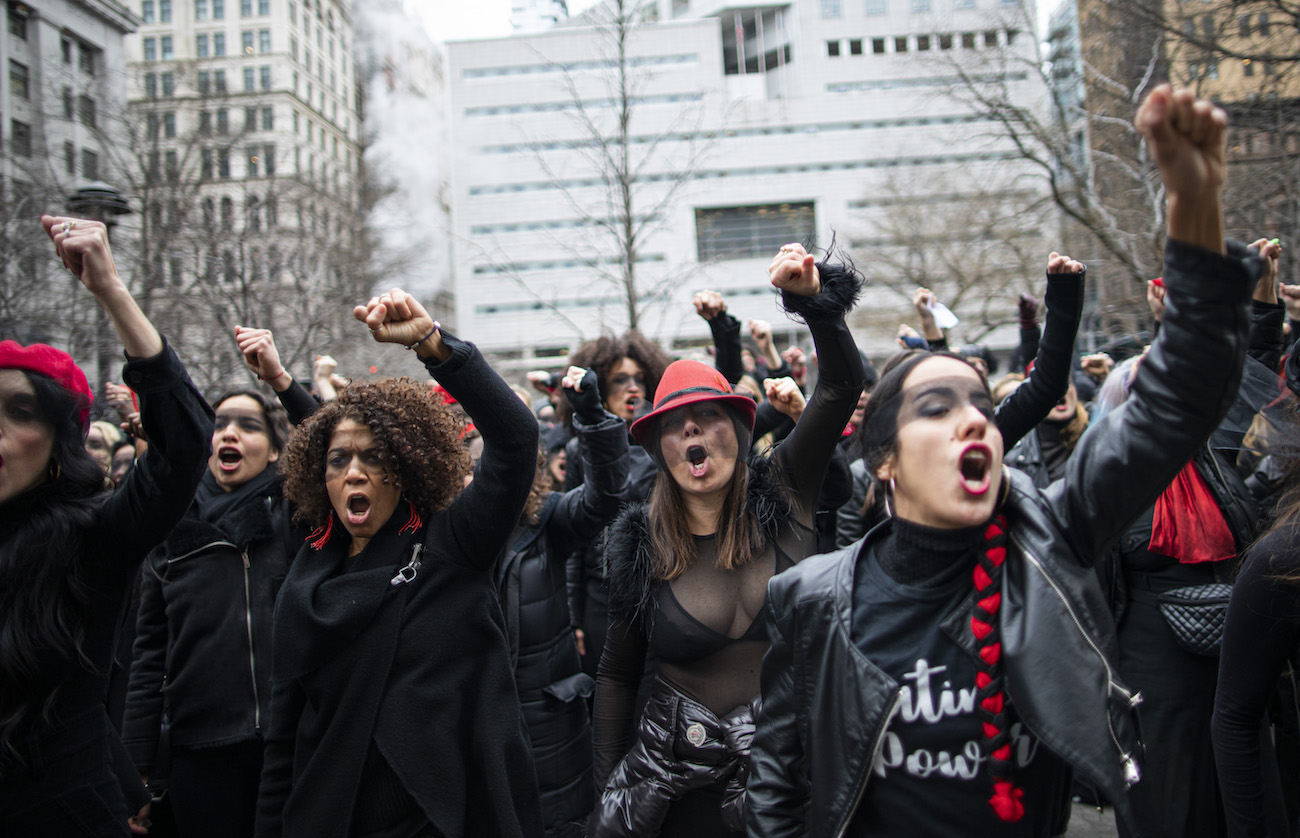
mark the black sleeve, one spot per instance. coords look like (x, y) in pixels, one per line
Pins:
(479, 521)
(768, 419)
(161, 486)
(297, 402)
(1029, 339)
(1030, 403)
(142, 721)
(1260, 634)
(804, 454)
(621, 665)
(287, 704)
(726, 343)
(1265, 341)
(583, 512)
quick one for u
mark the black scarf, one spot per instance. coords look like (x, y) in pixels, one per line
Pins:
(215, 503)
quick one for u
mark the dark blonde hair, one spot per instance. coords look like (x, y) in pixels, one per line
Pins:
(418, 438)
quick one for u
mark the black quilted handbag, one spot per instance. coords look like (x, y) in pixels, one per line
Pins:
(1196, 615)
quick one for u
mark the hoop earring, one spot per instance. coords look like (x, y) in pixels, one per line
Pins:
(893, 487)
(1005, 490)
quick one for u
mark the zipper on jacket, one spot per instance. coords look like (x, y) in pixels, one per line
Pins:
(408, 573)
(1128, 766)
(205, 547)
(252, 656)
(871, 763)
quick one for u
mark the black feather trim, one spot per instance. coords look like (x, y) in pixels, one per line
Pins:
(841, 287)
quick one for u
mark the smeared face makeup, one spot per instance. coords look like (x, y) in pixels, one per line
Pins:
(623, 388)
(361, 491)
(26, 439)
(698, 446)
(241, 443)
(947, 462)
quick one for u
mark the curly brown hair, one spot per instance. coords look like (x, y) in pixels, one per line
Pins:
(419, 442)
(542, 486)
(605, 352)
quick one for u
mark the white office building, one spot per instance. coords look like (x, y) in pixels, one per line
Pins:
(749, 127)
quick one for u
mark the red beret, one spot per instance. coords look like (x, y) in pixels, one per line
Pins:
(51, 363)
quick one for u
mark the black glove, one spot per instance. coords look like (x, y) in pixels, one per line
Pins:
(1027, 309)
(586, 404)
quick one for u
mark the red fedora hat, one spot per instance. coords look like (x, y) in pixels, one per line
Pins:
(687, 382)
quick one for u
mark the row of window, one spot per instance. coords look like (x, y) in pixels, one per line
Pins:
(88, 158)
(1247, 25)
(551, 107)
(921, 43)
(835, 8)
(259, 160)
(219, 8)
(213, 45)
(1209, 69)
(87, 55)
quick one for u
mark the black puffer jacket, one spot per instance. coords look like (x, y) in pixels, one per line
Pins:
(203, 635)
(548, 671)
(826, 708)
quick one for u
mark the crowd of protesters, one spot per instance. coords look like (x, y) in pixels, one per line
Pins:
(679, 597)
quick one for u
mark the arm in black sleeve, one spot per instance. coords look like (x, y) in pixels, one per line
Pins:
(1029, 339)
(619, 677)
(804, 454)
(1264, 343)
(480, 520)
(297, 402)
(287, 704)
(161, 485)
(1030, 403)
(583, 512)
(726, 343)
(1260, 634)
(142, 720)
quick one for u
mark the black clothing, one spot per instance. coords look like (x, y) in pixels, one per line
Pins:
(203, 635)
(723, 604)
(420, 669)
(826, 708)
(726, 345)
(548, 671)
(213, 791)
(1260, 637)
(68, 786)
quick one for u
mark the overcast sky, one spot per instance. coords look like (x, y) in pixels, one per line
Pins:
(450, 20)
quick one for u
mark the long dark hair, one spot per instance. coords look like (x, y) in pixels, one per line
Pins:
(42, 597)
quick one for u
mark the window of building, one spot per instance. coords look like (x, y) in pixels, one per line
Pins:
(250, 118)
(246, 41)
(306, 57)
(201, 46)
(1012, 34)
(18, 80)
(150, 49)
(1209, 27)
(831, 8)
(293, 48)
(67, 102)
(1212, 68)
(218, 9)
(150, 91)
(878, 46)
(228, 272)
(18, 21)
(919, 6)
(922, 43)
(963, 4)
(945, 42)
(991, 38)
(900, 44)
(169, 124)
(89, 164)
(165, 11)
(750, 232)
(268, 118)
(86, 110)
(69, 157)
(147, 11)
(200, 9)
(223, 165)
(165, 45)
(204, 82)
(250, 79)
(1264, 29)
(246, 8)
(877, 7)
(223, 121)
(65, 46)
(153, 170)
(168, 85)
(264, 40)
(20, 138)
(1247, 67)
(268, 165)
(253, 158)
(263, 7)
(968, 40)
(219, 81)
(293, 13)
(219, 44)
(176, 271)
(1243, 26)
(832, 49)
(855, 48)
(151, 123)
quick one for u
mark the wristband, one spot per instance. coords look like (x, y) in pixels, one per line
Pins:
(426, 337)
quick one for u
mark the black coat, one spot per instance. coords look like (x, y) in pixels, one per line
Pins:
(826, 707)
(69, 782)
(203, 635)
(548, 671)
(419, 670)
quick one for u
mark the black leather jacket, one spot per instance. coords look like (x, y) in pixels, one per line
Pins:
(826, 707)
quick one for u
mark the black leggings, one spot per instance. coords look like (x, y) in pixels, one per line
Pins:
(214, 790)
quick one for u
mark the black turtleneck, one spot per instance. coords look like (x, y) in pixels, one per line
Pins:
(927, 557)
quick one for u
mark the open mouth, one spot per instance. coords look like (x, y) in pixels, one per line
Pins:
(975, 466)
(358, 509)
(698, 459)
(229, 458)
